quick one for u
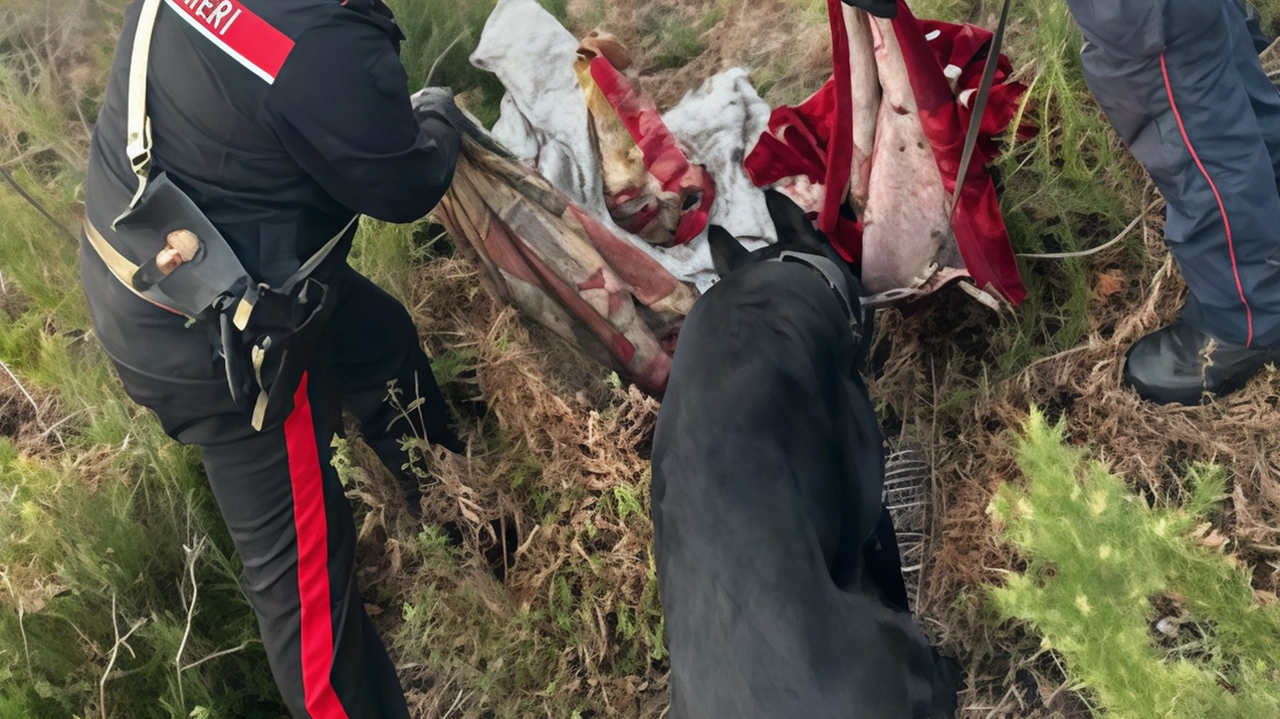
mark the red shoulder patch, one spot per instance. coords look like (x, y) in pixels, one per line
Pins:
(239, 32)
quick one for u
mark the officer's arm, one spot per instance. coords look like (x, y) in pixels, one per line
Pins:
(341, 107)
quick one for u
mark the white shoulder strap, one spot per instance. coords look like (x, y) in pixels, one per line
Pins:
(139, 127)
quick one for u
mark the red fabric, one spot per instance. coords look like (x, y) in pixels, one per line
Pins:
(840, 145)
(965, 46)
(312, 528)
(662, 156)
(979, 227)
(795, 144)
(799, 141)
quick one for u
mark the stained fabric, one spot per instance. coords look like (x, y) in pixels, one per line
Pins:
(545, 254)
(689, 186)
(545, 122)
(816, 144)
(1182, 84)
(781, 598)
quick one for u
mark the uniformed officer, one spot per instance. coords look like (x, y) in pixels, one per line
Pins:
(282, 120)
(1181, 82)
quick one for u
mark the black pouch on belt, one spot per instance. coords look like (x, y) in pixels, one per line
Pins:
(267, 355)
(265, 335)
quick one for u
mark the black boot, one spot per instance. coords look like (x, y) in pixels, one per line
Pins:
(1180, 364)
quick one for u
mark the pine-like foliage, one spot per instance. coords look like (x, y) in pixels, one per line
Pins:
(1152, 616)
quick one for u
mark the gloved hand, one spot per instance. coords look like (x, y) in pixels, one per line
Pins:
(435, 109)
(887, 9)
(438, 103)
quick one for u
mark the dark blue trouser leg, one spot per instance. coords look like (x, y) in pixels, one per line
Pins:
(1180, 82)
(1263, 95)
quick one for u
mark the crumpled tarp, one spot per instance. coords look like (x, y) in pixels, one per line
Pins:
(546, 124)
(548, 256)
(888, 131)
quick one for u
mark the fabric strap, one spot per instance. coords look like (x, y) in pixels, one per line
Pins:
(139, 125)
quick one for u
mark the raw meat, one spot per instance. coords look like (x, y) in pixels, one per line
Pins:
(866, 103)
(907, 221)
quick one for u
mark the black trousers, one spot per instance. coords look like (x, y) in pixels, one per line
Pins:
(277, 490)
(778, 571)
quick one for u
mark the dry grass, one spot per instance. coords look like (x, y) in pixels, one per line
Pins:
(532, 590)
(680, 43)
(933, 386)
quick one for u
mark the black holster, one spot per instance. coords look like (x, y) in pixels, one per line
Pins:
(266, 359)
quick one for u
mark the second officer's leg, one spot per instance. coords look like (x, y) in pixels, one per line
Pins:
(1167, 75)
(376, 351)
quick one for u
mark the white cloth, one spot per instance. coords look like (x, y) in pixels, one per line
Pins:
(718, 125)
(545, 123)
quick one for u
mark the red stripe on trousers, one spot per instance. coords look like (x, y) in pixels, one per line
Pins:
(313, 559)
(1226, 222)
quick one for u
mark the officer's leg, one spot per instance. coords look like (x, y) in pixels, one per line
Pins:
(768, 470)
(279, 496)
(1168, 79)
(293, 529)
(374, 343)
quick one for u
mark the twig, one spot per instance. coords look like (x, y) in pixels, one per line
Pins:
(21, 389)
(13, 182)
(21, 612)
(528, 541)
(456, 703)
(193, 556)
(436, 65)
(35, 406)
(26, 648)
(115, 652)
(1090, 252)
(53, 428)
(215, 655)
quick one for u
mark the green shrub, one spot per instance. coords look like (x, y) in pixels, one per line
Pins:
(1151, 617)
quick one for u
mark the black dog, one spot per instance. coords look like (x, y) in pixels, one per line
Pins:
(779, 573)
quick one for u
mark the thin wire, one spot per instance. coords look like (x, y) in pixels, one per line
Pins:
(13, 182)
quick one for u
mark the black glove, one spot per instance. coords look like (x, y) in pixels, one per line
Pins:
(887, 9)
(436, 105)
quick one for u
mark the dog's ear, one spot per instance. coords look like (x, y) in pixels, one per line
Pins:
(726, 252)
(795, 231)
